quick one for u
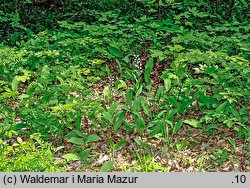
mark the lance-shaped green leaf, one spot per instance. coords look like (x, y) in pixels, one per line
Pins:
(71, 157)
(167, 84)
(115, 52)
(192, 122)
(107, 166)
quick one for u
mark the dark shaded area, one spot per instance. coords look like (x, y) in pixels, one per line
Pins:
(20, 19)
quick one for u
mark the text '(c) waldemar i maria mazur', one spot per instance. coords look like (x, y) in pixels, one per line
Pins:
(78, 179)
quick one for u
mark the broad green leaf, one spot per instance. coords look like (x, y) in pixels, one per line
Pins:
(171, 113)
(148, 70)
(129, 97)
(107, 69)
(139, 89)
(129, 127)
(108, 117)
(127, 59)
(120, 84)
(19, 126)
(211, 127)
(106, 94)
(139, 121)
(177, 126)
(157, 129)
(221, 107)
(159, 54)
(14, 84)
(71, 157)
(146, 107)
(77, 141)
(76, 133)
(78, 122)
(120, 119)
(120, 144)
(159, 93)
(85, 153)
(107, 166)
(150, 64)
(232, 142)
(59, 148)
(174, 102)
(167, 84)
(147, 77)
(19, 140)
(63, 107)
(160, 114)
(235, 113)
(204, 99)
(229, 123)
(113, 108)
(115, 52)
(93, 138)
(184, 105)
(194, 123)
(137, 104)
(166, 121)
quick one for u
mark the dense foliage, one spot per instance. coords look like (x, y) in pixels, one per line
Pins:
(134, 85)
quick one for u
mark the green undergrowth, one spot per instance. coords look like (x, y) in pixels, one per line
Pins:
(96, 89)
(32, 155)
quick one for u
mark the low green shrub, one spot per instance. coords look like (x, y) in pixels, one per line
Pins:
(18, 155)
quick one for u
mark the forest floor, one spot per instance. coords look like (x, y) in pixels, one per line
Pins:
(146, 95)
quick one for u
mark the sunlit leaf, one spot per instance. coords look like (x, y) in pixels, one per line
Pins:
(107, 166)
(93, 138)
(192, 122)
(77, 141)
(71, 157)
